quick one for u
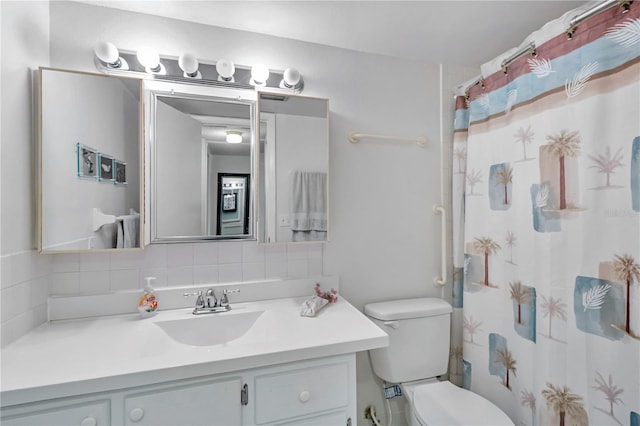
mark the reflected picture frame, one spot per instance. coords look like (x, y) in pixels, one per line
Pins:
(120, 173)
(87, 162)
(105, 168)
(229, 202)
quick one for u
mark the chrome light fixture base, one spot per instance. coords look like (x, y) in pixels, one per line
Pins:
(206, 74)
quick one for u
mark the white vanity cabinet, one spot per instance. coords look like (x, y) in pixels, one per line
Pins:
(319, 392)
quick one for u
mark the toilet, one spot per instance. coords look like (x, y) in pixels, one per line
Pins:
(417, 354)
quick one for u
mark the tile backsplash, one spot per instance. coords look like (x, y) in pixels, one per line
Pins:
(182, 265)
(28, 278)
(24, 288)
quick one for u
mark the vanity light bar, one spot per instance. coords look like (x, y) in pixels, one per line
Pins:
(207, 74)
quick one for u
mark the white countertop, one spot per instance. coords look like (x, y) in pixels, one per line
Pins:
(75, 357)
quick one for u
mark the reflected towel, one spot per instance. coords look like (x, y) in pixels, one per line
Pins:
(128, 231)
(308, 201)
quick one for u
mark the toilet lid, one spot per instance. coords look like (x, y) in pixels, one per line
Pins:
(443, 403)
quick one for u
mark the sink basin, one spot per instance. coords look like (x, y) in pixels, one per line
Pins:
(210, 329)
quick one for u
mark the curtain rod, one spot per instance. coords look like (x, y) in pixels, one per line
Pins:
(573, 23)
(601, 7)
(529, 48)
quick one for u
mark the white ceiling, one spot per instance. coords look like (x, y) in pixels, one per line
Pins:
(453, 32)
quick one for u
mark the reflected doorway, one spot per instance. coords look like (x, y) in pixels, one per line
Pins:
(233, 204)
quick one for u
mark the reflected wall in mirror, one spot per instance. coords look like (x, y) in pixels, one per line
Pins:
(201, 144)
(293, 167)
(89, 155)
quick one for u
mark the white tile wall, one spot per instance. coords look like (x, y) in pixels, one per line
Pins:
(182, 265)
(24, 287)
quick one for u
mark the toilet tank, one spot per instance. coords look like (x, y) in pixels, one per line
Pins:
(419, 335)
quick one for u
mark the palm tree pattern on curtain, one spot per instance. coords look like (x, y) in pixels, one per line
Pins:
(487, 247)
(553, 338)
(565, 144)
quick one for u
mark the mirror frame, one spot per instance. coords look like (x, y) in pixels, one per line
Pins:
(152, 90)
(38, 93)
(262, 217)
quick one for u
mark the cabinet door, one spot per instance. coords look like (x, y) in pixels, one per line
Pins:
(86, 414)
(214, 402)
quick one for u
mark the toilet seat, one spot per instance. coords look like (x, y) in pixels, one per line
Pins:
(443, 403)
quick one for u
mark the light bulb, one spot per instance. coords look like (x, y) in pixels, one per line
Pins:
(290, 78)
(234, 136)
(189, 64)
(149, 58)
(225, 69)
(107, 53)
(259, 74)
(109, 56)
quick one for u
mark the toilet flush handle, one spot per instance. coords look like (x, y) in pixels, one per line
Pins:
(392, 324)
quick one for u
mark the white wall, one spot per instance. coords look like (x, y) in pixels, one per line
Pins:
(178, 153)
(24, 37)
(378, 252)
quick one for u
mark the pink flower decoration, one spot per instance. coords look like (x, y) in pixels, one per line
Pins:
(331, 296)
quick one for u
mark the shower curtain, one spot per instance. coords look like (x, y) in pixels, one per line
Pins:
(546, 190)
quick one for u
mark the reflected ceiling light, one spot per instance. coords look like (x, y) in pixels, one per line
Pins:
(150, 60)
(234, 136)
(225, 69)
(189, 65)
(109, 55)
(259, 75)
(291, 79)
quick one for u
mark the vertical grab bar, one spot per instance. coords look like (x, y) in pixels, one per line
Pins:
(441, 281)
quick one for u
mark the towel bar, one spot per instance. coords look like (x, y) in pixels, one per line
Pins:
(355, 138)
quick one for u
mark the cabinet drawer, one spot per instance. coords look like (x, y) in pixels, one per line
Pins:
(333, 419)
(86, 414)
(215, 402)
(299, 392)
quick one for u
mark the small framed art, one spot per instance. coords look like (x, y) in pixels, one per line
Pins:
(87, 162)
(105, 168)
(121, 172)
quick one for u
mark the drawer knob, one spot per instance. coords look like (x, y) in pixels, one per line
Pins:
(136, 414)
(304, 396)
(89, 421)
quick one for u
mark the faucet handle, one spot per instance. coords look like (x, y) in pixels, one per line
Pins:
(225, 299)
(199, 299)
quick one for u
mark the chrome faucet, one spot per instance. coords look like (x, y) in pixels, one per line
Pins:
(211, 295)
(209, 303)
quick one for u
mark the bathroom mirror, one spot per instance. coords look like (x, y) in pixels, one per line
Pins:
(89, 161)
(293, 168)
(200, 144)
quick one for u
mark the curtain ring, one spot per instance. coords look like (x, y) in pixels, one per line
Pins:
(626, 5)
(570, 31)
